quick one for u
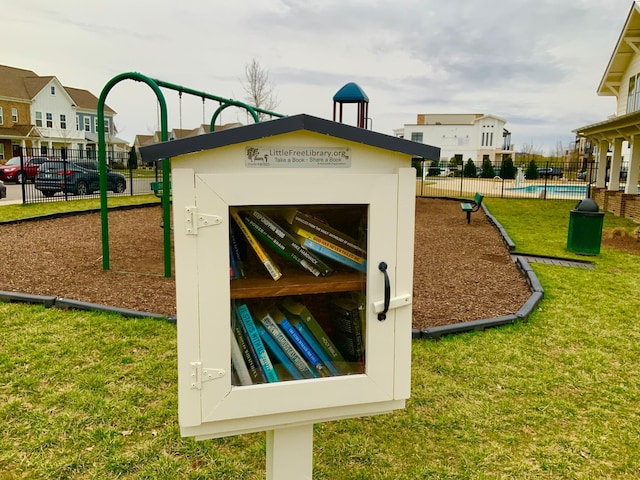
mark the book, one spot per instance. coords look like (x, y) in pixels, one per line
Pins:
(298, 219)
(254, 337)
(277, 246)
(348, 322)
(238, 363)
(246, 348)
(265, 318)
(237, 250)
(278, 354)
(314, 247)
(302, 233)
(315, 346)
(266, 260)
(285, 243)
(297, 340)
(298, 311)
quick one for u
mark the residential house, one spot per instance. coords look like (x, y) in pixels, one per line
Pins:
(621, 79)
(474, 136)
(40, 113)
(177, 133)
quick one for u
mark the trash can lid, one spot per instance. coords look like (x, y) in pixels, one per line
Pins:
(587, 205)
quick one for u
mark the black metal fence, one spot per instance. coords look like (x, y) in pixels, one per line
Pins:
(542, 179)
(67, 174)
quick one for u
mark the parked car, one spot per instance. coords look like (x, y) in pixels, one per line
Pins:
(3, 190)
(16, 171)
(583, 175)
(79, 178)
(550, 172)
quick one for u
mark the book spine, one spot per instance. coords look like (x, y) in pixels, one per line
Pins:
(235, 251)
(271, 267)
(276, 245)
(303, 346)
(329, 245)
(299, 311)
(332, 255)
(254, 337)
(298, 360)
(348, 324)
(289, 241)
(238, 362)
(279, 354)
(316, 347)
(323, 230)
(249, 354)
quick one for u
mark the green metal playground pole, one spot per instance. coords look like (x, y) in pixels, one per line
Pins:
(102, 164)
(155, 84)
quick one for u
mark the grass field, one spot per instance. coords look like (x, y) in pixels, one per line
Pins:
(93, 396)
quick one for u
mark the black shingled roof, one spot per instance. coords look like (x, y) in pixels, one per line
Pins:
(284, 125)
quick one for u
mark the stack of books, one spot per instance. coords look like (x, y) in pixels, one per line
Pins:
(285, 342)
(301, 239)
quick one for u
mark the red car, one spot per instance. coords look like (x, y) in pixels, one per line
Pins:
(13, 170)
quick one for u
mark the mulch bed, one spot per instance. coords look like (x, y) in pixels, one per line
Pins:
(462, 272)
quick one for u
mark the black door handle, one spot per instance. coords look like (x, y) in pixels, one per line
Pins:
(387, 291)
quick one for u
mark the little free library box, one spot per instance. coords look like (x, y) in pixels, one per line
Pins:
(294, 268)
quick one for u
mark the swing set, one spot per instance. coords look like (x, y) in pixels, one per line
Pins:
(155, 85)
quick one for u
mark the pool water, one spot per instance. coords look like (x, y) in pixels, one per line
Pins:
(568, 190)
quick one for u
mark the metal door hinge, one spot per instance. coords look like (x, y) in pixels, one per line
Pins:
(201, 375)
(194, 220)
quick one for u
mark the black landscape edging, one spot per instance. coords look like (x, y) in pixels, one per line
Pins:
(537, 294)
(17, 297)
(64, 303)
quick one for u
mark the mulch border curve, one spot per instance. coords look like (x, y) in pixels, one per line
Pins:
(537, 294)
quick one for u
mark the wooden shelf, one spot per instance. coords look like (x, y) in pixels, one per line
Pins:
(297, 284)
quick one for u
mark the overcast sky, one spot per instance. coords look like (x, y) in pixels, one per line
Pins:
(535, 63)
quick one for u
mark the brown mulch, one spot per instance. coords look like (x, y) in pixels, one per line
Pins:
(462, 272)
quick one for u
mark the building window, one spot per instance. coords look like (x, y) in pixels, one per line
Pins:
(106, 127)
(1, 117)
(63, 121)
(87, 124)
(38, 119)
(49, 120)
(95, 124)
(416, 137)
(491, 139)
(80, 151)
(53, 90)
(14, 115)
(2, 151)
(633, 97)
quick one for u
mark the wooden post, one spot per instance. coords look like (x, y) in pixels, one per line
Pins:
(290, 453)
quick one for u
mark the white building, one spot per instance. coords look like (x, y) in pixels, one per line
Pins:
(462, 136)
(621, 80)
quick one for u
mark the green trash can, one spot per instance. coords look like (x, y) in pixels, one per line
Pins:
(585, 228)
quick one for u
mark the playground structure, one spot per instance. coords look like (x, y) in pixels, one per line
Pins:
(155, 85)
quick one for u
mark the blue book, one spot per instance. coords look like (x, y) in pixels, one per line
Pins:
(278, 353)
(300, 343)
(313, 343)
(256, 341)
(330, 254)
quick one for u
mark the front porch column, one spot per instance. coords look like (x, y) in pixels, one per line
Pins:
(634, 167)
(603, 147)
(616, 161)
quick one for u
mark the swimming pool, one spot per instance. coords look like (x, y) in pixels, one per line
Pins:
(571, 191)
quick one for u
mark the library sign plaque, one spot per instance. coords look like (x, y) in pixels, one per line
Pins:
(297, 157)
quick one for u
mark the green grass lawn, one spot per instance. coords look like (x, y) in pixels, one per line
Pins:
(94, 396)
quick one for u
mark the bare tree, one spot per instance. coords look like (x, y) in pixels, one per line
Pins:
(258, 88)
